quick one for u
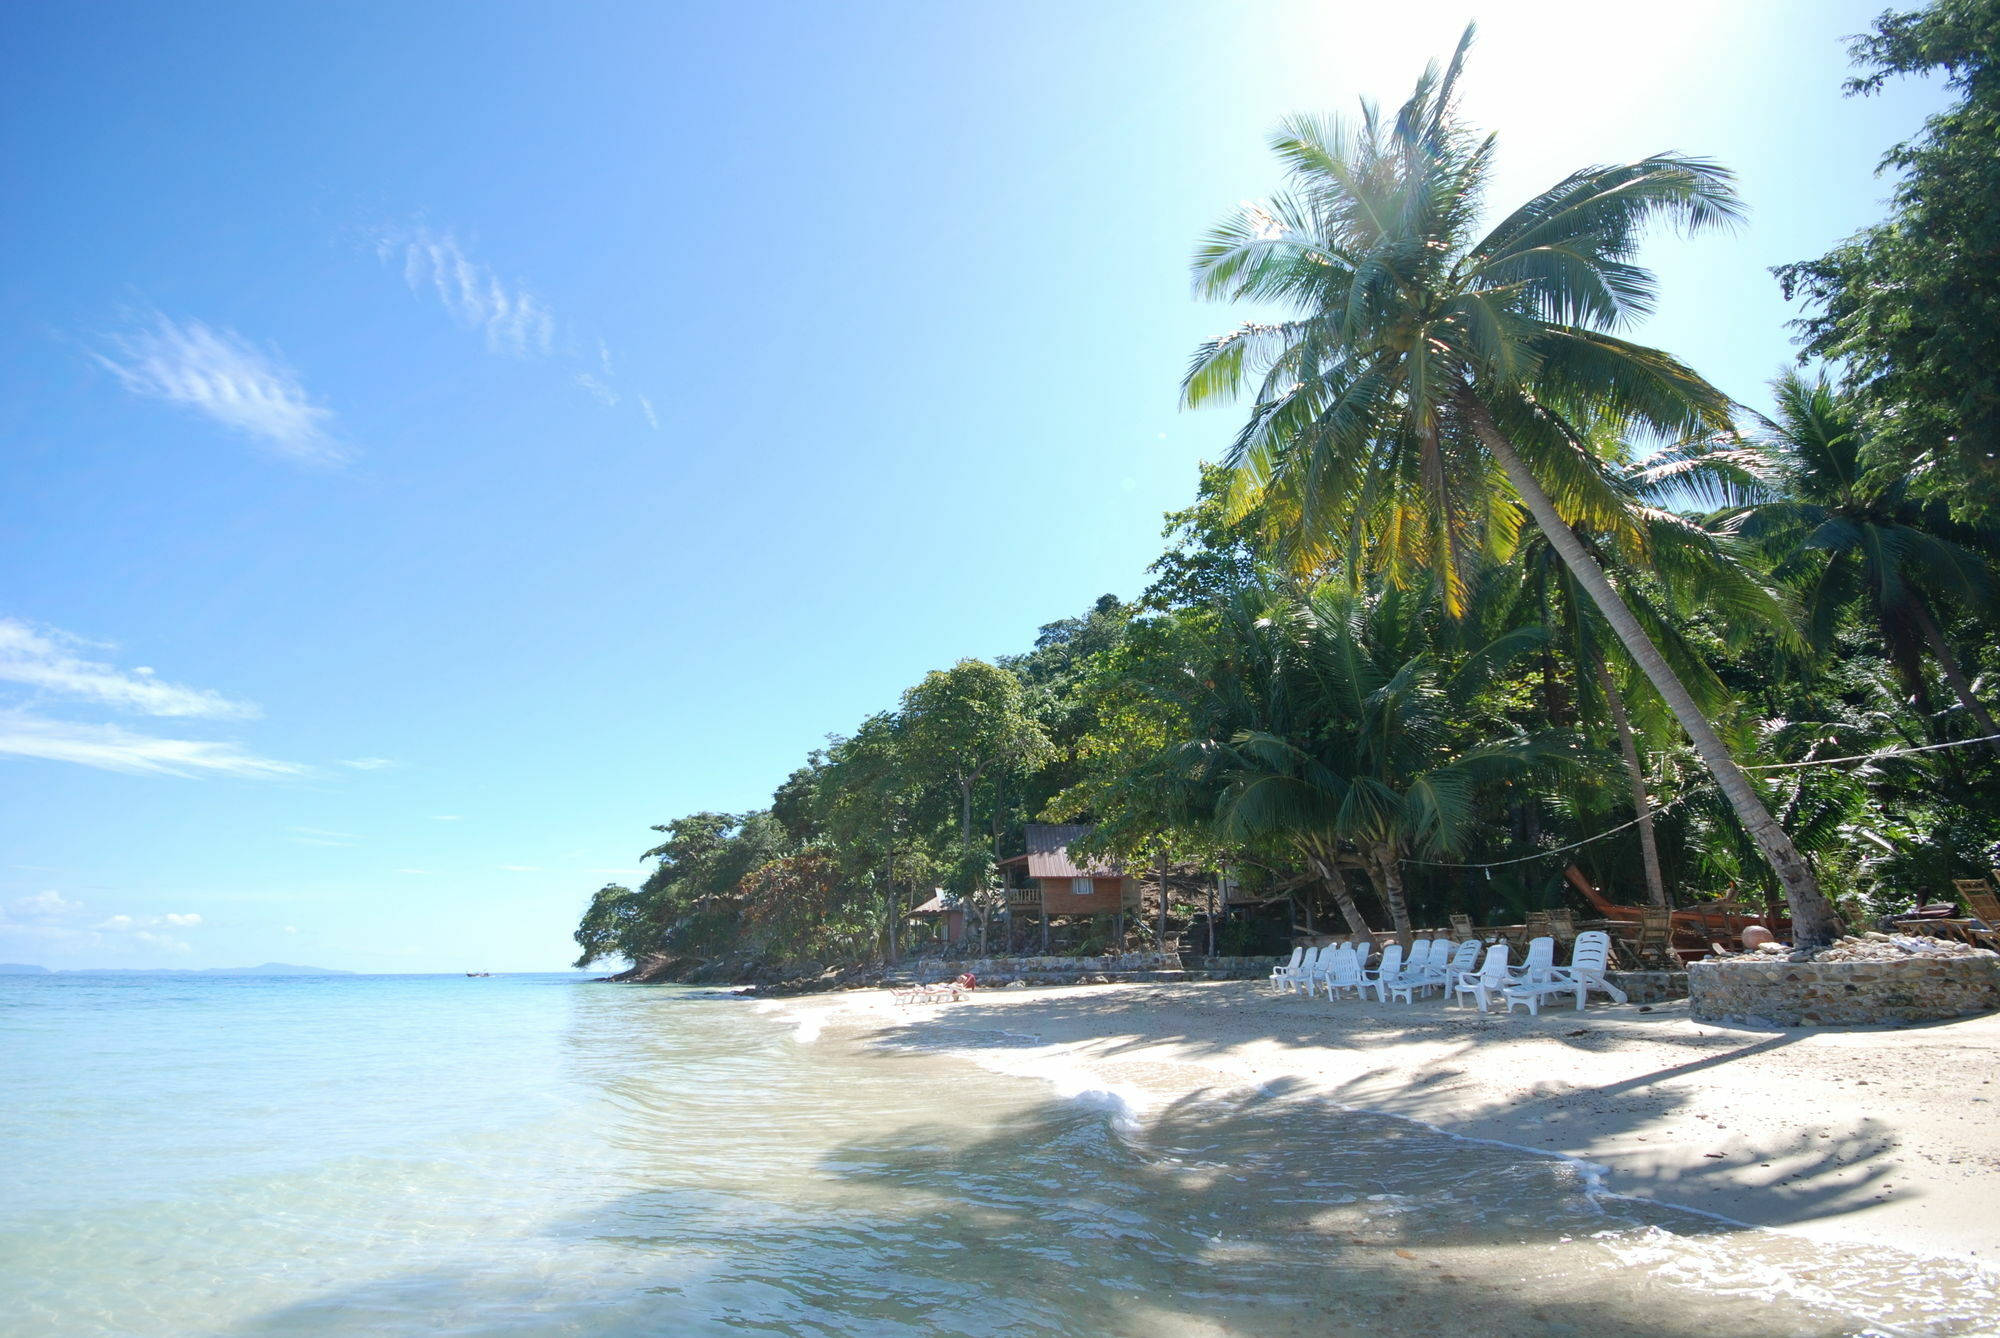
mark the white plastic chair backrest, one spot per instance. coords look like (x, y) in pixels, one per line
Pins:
(1494, 972)
(1465, 957)
(1541, 959)
(1310, 962)
(1363, 950)
(1338, 962)
(1298, 955)
(1420, 954)
(1591, 954)
(1392, 961)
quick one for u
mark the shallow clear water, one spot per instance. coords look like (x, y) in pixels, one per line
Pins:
(537, 1155)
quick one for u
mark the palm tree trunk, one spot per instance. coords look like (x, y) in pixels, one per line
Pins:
(1953, 672)
(1814, 921)
(1642, 803)
(1343, 897)
(1388, 871)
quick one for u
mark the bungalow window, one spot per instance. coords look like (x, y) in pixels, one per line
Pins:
(1082, 887)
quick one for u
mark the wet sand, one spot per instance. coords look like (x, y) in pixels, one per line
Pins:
(1880, 1135)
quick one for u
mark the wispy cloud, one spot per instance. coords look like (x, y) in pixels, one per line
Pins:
(371, 763)
(130, 922)
(218, 373)
(110, 748)
(513, 320)
(43, 906)
(48, 658)
(314, 836)
(50, 919)
(53, 663)
(599, 390)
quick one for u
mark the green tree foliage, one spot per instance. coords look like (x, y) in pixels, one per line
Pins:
(1482, 583)
(967, 724)
(1435, 376)
(1910, 308)
(1853, 532)
(1348, 728)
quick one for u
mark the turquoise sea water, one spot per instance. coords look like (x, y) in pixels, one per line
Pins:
(533, 1155)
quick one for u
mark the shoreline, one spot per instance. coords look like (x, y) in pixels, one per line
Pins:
(1880, 1136)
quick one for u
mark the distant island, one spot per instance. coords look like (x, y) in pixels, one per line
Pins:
(267, 969)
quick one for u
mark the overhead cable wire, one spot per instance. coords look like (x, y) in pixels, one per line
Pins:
(1689, 794)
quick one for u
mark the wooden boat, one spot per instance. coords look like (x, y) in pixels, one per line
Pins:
(1694, 927)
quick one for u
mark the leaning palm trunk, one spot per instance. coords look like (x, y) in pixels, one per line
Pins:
(1814, 921)
(1642, 803)
(1336, 883)
(1388, 874)
(1954, 673)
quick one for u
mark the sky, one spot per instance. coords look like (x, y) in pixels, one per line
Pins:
(442, 441)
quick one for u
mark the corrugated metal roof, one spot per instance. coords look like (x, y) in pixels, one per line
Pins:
(1048, 852)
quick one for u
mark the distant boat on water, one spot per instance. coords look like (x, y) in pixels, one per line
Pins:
(478, 973)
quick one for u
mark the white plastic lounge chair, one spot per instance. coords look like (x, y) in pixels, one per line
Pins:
(1448, 963)
(1317, 965)
(1589, 960)
(1281, 976)
(1316, 960)
(1340, 971)
(1489, 979)
(1422, 969)
(1539, 964)
(1364, 949)
(1301, 979)
(1383, 977)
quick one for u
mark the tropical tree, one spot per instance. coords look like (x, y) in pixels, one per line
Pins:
(1668, 565)
(965, 722)
(868, 803)
(1909, 309)
(1855, 530)
(1432, 375)
(1329, 723)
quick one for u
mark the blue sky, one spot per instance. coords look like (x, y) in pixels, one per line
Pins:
(444, 440)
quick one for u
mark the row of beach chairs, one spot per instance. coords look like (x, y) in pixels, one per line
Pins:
(1455, 969)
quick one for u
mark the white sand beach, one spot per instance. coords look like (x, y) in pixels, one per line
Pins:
(1877, 1135)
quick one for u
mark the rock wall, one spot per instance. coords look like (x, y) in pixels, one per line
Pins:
(1006, 968)
(1842, 994)
(1231, 968)
(1645, 987)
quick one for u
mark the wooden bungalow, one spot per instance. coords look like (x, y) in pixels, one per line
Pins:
(1047, 881)
(948, 911)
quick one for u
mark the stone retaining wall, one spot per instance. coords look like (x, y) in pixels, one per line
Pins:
(1821, 994)
(1230, 968)
(1649, 987)
(1007, 968)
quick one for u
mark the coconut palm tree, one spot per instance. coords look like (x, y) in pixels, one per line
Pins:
(1432, 375)
(1849, 533)
(1331, 724)
(1684, 563)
